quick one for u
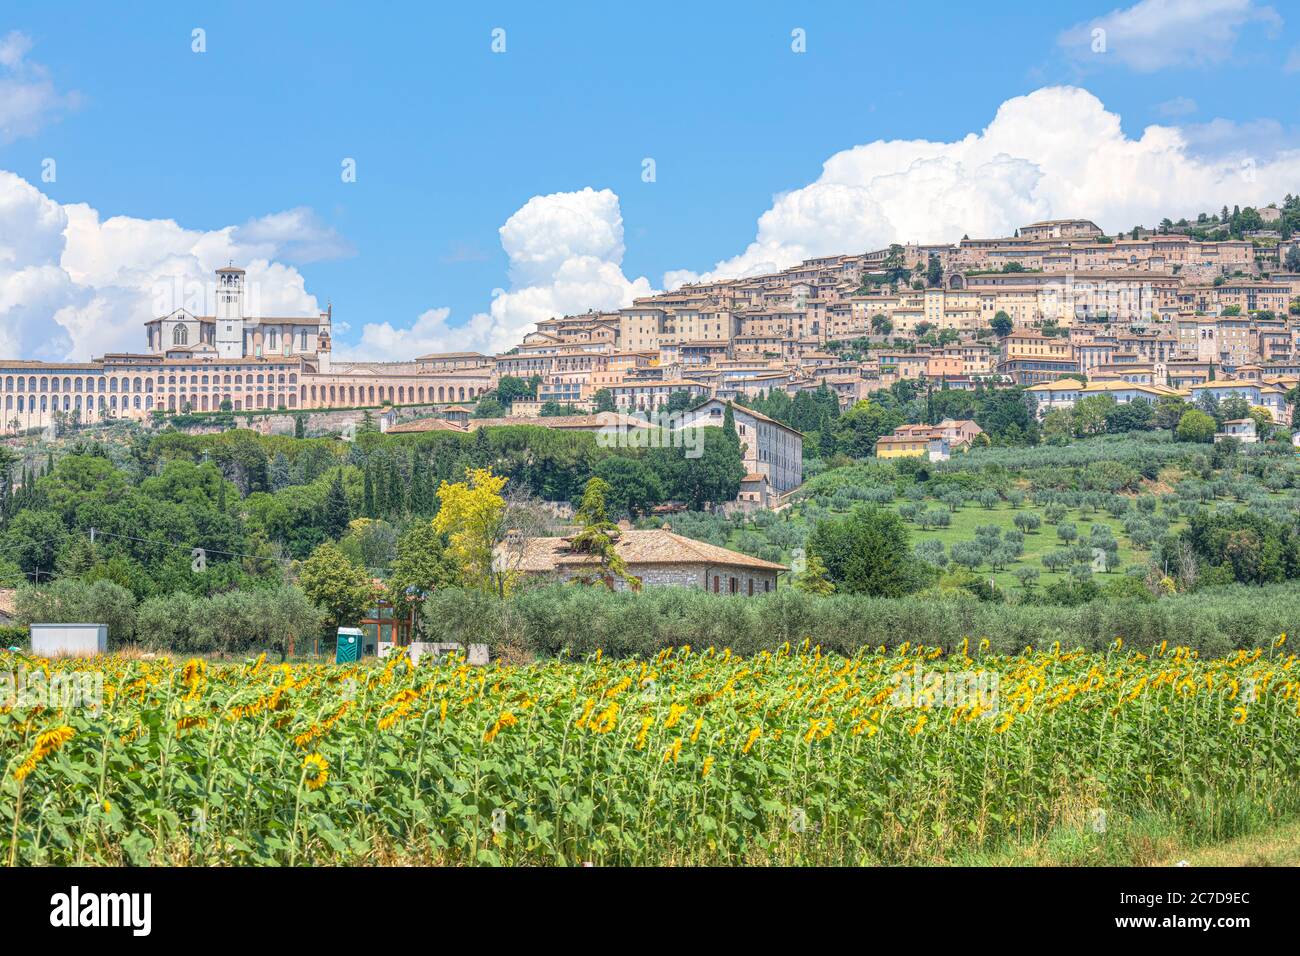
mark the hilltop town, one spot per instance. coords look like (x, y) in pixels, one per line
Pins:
(1203, 311)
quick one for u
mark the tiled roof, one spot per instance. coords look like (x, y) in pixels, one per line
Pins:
(587, 422)
(420, 425)
(654, 546)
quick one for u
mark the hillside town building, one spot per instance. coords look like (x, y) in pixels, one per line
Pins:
(655, 557)
(1160, 312)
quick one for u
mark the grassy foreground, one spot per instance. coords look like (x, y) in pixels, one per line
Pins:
(898, 756)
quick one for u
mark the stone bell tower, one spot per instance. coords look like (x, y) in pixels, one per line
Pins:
(229, 338)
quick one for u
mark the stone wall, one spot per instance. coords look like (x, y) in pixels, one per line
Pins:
(323, 421)
(699, 576)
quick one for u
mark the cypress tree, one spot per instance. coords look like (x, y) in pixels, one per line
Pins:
(381, 489)
(337, 514)
(396, 490)
(482, 453)
(421, 487)
(368, 498)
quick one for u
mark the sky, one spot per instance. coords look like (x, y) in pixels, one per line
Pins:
(446, 175)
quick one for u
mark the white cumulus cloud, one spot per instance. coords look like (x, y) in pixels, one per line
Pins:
(565, 252)
(1156, 34)
(1054, 153)
(74, 285)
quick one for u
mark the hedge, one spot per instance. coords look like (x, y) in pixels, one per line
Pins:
(231, 622)
(554, 620)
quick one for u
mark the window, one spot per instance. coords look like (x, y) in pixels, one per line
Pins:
(180, 336)
(715, 584)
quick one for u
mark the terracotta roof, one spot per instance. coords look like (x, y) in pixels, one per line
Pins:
(654, 546)
(1066, 384)
(563, 422)
(425, 425)
(1112, 385)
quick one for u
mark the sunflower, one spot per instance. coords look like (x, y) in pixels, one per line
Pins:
(316, 770)
(507, 719)
(46, 744)
(1239, 715)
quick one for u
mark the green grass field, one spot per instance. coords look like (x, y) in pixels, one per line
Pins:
(1037, 543)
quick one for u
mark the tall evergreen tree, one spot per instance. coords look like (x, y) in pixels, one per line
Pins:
(368, 495)
(380, 487)
(279, 472)
(337, 513)
(421, 502)
(396, 489)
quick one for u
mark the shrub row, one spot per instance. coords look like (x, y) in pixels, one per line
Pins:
(550, 621)
(231, 622)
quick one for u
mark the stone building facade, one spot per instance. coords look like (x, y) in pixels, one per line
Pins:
(658, 558)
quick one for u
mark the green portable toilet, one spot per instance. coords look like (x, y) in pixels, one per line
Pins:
(347, 649)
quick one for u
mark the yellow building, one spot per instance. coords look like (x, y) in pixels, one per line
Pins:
(902, 446)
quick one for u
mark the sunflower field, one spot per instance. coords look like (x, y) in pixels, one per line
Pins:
(895, 755)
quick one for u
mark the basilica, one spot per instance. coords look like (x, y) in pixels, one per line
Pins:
(227, 360)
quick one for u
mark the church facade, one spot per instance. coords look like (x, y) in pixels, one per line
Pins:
(204, 363)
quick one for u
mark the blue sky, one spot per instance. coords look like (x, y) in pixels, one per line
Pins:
(450, 139)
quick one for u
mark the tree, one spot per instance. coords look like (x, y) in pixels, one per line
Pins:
(1058, 427)
(604, 400)
(1001, 324)
(934, 272)
(1195, 426)
(813, 579)
(712, 477)
(1248, 546)
(1027, 577)
(422, 565)
(868, 552)
(1169, 411)
(337, 512)
(1133, 416)
(598, 538)
(634, 487)
(1292, 261)
(32, 539)
(681, 400)
(472, 516)
(1090, 414)
(280, 477)
(511, 389)
(859, 428)
(342, 590)
(880, 324)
